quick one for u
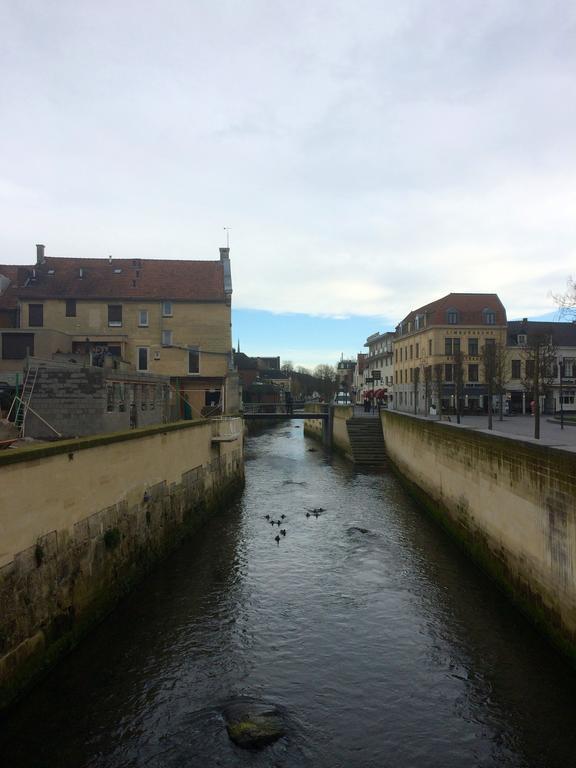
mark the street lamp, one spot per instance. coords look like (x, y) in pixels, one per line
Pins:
(561, 371)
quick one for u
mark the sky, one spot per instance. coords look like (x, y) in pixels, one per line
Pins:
(368, 156)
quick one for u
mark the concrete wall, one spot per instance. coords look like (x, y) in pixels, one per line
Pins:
(511, 503)
(78, 401)
(82, 520)
(337, 425)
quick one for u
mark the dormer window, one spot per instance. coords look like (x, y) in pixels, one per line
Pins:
(522, 339)
(452, 316)
(489, 316)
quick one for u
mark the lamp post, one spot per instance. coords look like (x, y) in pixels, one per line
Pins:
(561, 371)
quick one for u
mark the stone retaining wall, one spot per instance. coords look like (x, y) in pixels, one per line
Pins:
(511, 503)
(82, 520)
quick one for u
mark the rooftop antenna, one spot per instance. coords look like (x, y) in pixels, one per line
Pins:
(227, 230)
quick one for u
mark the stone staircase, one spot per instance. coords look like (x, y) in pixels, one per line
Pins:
(367, 442)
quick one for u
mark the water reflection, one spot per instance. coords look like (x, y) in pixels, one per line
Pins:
(382, 642)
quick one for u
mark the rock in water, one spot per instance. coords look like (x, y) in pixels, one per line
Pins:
(251, 725)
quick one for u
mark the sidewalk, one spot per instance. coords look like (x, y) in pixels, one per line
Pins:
(522, 427)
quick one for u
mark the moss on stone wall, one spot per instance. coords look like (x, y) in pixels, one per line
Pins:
(51, 603)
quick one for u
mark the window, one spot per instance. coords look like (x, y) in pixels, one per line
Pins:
(429, 346)
(36, 315)
(193, 360)
(166, 309)
(411, 351)
(166, 338)
(451, 345)
(115, 315)
(142, 358)
(417, 350)
(522, 338)
(473, 372)
(529, 368)
(489, 317)
(516, 374)
(472, 346)
(568, 367)
(211, 397)
(452, 316)
(142, 318)
(70, 307)
(448, 372)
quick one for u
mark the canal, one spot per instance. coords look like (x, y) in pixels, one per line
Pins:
(370, 630)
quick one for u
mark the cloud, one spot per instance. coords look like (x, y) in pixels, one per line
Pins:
(368, 156)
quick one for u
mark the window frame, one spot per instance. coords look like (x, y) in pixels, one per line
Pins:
(170, 312)
(139, 350)
(163, 341)
(71, 308)
(32, 309)
(192, 349)
(142, 324)
(115, 323)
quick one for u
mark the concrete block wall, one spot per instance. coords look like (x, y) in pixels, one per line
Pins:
(73, 400)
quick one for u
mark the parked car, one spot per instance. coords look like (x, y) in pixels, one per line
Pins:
(342, 398)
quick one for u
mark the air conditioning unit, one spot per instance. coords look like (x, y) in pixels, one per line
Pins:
(156, 355)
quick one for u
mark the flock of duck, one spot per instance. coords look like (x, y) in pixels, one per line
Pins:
(314, 512)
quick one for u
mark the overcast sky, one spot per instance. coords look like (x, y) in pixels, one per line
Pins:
(369, 156)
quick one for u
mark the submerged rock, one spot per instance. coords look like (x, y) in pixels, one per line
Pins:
(253, 725)
(356, 529)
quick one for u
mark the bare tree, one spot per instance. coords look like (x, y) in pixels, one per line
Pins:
(438, 384)
(540, 359)
(500, 375)
(489, 362)
(567, 301)
(302, 369)
(427, 387)
(327, 379)
(458, 382)
(287, 366)
(416, 381)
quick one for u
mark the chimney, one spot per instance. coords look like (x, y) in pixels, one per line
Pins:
(40, 258)
(110, 259)
(524, 320)
(224, 254)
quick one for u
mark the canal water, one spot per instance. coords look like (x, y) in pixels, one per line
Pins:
(379, 641)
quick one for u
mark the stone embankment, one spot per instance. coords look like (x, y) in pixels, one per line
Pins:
(82, 520)
(510, 502)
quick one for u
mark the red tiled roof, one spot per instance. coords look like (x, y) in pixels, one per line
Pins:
(469, 306)
(138, 279)
(8, 299)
